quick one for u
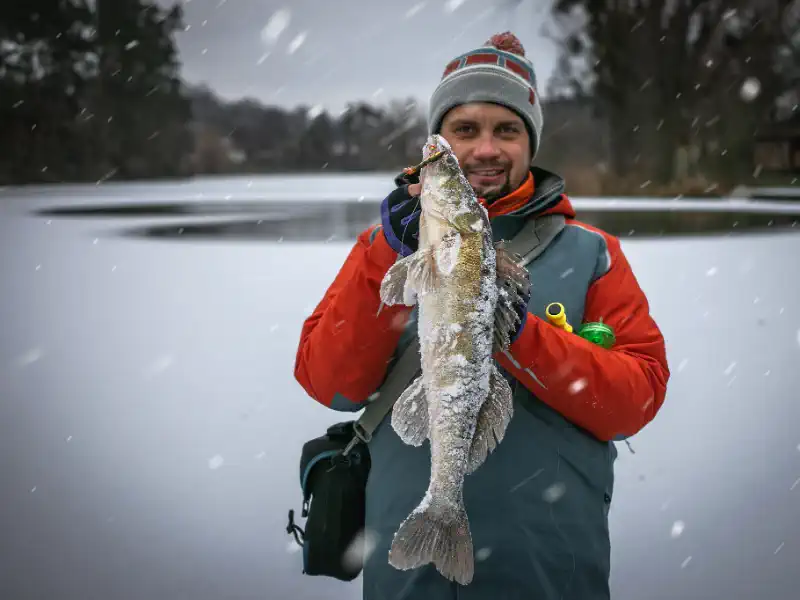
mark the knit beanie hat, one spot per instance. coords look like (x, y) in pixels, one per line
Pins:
(497, 72)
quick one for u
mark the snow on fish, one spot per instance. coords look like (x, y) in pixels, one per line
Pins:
(465, 287)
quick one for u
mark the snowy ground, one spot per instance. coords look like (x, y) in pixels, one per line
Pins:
(150, 423)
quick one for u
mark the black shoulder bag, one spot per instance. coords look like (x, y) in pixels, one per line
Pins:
(334, 467)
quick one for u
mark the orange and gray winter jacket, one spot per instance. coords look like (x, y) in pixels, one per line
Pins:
(538, 507)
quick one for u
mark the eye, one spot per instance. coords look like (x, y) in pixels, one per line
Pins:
(508, 129)
(464, 129)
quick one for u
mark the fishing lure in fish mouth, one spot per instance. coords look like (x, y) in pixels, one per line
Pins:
(431, 159)
(466, 288)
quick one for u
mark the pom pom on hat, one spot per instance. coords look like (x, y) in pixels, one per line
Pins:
(506, 41)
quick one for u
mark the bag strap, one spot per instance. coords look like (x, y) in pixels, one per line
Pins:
(404, 371)
(532, 239)
(535, 237)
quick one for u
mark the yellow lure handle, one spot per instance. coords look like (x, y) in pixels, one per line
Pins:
(558, 316)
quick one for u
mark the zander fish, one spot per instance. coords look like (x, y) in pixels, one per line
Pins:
(465, 288)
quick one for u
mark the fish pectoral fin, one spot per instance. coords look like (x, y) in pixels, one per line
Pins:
(438, 534)
(410, 414)
(509, 270)
(446, 253)
(513, 284)
(506, 318)
(493, 419)
(394, 287)
(422, 271)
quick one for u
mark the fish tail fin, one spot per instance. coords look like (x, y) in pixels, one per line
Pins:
(493, 418)
(438, 534)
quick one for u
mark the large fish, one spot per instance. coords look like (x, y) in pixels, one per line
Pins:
(465, 288)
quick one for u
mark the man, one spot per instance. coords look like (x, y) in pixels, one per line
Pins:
(538, 507)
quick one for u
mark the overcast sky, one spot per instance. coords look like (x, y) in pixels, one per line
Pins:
(330, 52)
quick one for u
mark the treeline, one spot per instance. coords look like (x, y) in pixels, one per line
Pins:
(247, 136)
(668, 96)
(90, 89)
(686, 88)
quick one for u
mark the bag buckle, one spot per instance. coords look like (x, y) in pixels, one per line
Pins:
(359, 435)
(293, 529)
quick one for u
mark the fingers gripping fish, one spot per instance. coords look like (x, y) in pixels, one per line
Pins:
(465, 288)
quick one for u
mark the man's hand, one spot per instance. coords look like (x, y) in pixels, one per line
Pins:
(400, 218)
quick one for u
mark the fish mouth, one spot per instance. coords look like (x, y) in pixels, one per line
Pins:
(431, 159)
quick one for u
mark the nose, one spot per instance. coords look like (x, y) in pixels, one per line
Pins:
(485, 148)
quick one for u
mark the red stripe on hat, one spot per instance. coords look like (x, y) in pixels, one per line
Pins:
(532, 96)
(452, 66)
(517, 68)
(482, 59)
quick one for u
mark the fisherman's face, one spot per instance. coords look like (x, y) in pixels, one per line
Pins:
(492, 146)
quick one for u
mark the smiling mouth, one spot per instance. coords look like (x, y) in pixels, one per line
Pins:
(487, 172)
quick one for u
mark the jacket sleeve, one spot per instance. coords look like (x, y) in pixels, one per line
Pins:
(611, 393)
(346, 344)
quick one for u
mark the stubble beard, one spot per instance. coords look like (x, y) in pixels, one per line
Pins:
(493, 193)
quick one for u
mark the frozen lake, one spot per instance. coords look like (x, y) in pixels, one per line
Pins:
(150, 424)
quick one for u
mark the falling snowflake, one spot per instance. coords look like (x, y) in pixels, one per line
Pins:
(779, 548)
(577, 385)
(711, 272)
(798, 337)
(362, 546)
(276, 25)
(677, 529)
(30, 357)
(686, 562)
(158, 366)
(482, 554)
(554, 492)
(682, 365)
(414, 10)
(452, 5)
(215, 462)
(298, 41)
(750, 90)
(730, 368)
